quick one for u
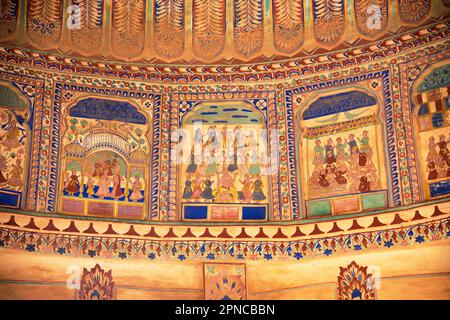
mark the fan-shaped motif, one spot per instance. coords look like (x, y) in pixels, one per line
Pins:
(412, 11)
(96, 284)
(128, 26)
(87, 36)
(328, 20)
(169, 27)
(208, 27)
(371, 16)
(288, 24)
(44, 20)
(8, 17)
(355, 283)
(248, 26)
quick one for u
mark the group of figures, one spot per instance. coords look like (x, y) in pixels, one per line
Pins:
(12, 151)
(344, 165)
(225, 172)
(438, 162)
(105, 181)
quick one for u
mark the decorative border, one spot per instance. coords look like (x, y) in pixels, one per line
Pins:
(384, 76)
(59, 87)
(402, 231)
(286, 69)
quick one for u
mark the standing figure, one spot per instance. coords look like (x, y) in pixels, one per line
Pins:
(117, 190)
(136, 188)
(103, 190)
(187, 192)
(258, 194)
(74, 185)
(246, 191)
(318, 153)
(329, 152)
(3, 166)
(11, 137)
(207, 192)
(340, 150)
(15, 179)
(90, 186)
(432, 153)
(443, 151)
(352, 144)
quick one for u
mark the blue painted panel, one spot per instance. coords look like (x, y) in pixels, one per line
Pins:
(440, 188)
(10, 199)
(253, 213)
(195, 212)
(340, 102)
(94, 108)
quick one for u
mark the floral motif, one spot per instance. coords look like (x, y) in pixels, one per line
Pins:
(354, 283)
(96, 284)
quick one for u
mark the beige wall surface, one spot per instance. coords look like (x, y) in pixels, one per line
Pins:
(416, 272)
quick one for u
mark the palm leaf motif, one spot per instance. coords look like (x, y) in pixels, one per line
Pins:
(328, 20)
(8, 16)
(128, 22)
(366, 11)
(208, 27)
(88, 36)
(354, 283)
(169, 27)
(44, 20)
(248, 26)
(288, 24)
(412, 11)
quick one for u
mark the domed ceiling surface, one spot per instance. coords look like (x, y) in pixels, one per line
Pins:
(206, 31)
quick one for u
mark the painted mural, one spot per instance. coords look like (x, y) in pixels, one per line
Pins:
(225, 281)
(14, 145)
(342, 143)
(432, 110)
(106, 159)
(224, 162)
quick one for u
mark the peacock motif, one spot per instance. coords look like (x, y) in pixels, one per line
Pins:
(288, 25)
(96, 284)
(169, 27)
(208, 27)
(248, 26)
(8, 17)
(87, 35)
(128, 25)
(328, 20)
(371, 16)
(44, 21)
(413, 11)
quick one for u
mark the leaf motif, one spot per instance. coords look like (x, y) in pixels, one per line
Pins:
(169, 27)
(8, 8)
(248, 26)
(288, 24)
(208, 27)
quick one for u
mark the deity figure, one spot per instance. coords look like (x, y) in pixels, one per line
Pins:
(136, 188)
(74, 185)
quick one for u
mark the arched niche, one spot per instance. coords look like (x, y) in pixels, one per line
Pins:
(104, 168)
(223, 164)
(15, 140)
(341, 153)
(432, 129)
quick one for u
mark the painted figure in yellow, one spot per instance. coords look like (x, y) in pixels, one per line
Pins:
(90, 186)
(11, 140)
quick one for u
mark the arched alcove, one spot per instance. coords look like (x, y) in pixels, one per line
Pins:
(14, 146)
(431, 112)
(223, 164)
(105, 159)
(341, 153)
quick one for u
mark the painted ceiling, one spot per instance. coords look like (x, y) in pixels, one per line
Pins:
(207, 31)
